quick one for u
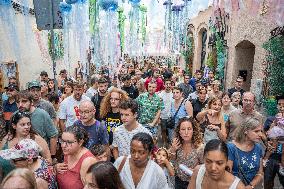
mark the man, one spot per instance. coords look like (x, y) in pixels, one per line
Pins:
(156, 77)
(123, 134)
(44, 76)
(12, 80)
(237, 116)
(167, 96)
(69, 107)
(198, 77)
(194, 95)
(238, 86)
(129, 88)
(10, 105)
(272, 165)
(34, 88)
(97, 132)
(93, 89)
(98, 97)
(62, 79)
(41, 122)
(150, 106)
(199, 103)
(185, 86)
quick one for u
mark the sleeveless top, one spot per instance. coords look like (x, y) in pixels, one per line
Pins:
(208, 134)
(200, 176)
(181, 113)
(46, 173)
(73, 175)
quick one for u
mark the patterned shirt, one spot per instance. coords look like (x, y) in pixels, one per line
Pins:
(194, 158)
(148, 107)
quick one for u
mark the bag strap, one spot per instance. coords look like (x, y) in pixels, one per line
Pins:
(240, 170)
(178, 108)
(122, 164)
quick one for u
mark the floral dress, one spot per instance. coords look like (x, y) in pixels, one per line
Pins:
(46, 173)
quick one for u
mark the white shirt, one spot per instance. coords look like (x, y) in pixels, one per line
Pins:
(91, 92)
(122, 138)
(152, 178)
(69, 109)
(167, 99)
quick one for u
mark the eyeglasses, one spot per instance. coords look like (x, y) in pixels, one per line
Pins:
(66, 142)
(84, 112)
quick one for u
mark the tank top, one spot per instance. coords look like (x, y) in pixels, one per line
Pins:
(208, 134)
(200, 176)
(6, 165)
(73, 175)
(181, 113)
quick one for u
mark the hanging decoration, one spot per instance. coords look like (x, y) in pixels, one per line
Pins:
(109, 33)
(188, 53)
(71, 1)
(176, 27)
(58, 45)
(65, 9)
(143, 10)
(121, 26)
(168, 23)
(7, 16)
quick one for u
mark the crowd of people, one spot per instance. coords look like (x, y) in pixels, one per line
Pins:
(146, 127)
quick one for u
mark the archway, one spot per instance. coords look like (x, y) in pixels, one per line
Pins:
(244, 60)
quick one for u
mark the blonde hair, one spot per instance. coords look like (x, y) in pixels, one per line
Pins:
(105, 104)
(248, 125)
(25, 174)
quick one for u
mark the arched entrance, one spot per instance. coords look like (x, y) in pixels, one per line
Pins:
(202, 39)
(244, 60)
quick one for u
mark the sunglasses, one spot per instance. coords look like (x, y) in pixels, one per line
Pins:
(18, 159)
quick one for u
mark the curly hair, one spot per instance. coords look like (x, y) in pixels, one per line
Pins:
(196, 136)
(105, 104)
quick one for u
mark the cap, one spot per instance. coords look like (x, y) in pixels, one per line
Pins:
(26, 148)
(12, 86)
(34, 84)
(43, 73)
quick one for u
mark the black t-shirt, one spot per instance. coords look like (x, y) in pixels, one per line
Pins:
(97, 99)
(232, 90)
(112, 121)
(131, 91)
(197, 106)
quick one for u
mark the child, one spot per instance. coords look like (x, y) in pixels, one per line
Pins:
(162, 159)
(101, 152)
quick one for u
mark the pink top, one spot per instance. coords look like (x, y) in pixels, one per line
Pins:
(71, 178)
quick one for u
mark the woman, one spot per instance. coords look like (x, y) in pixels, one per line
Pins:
(51, 85)
(212, 122)
(25, 154)
(44, 90)
(21, 129)
(236, 99)
(68, 90)
(77, 158)
(109, 110)
(215, 92)
(213, 172)
(180, 108)
(138, 170)
(245, 153)
(186, 149)
(103, 175)
(227, 107)
(19, 178)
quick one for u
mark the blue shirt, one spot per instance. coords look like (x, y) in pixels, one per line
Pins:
(7, 107)
(97, 133)
(181, 112)
(249, 161)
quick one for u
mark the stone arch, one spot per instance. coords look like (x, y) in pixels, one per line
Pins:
(244, 60)
(201, 45)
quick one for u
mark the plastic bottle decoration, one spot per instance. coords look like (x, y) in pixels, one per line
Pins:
(108, 5)
(176, 27)
(5, 2)
(71, 1)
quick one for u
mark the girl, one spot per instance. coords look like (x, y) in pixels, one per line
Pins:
(162, 159)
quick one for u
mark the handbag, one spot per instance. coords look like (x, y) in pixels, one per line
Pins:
(171, 120)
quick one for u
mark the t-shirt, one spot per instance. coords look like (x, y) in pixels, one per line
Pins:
(43, 125)
(249, 161)
(48, 107)
(8, 110)
(167, 99)
(69, 109)
(97, 133)
(112, 121)
(197, 106)
(131, 91)
(97, 99)
(122, 138)
(91, 92)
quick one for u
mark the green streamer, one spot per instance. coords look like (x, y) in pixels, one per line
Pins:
(121, 26)
(58, 45)
(188, 53)
(93, 12)
(143, 10)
